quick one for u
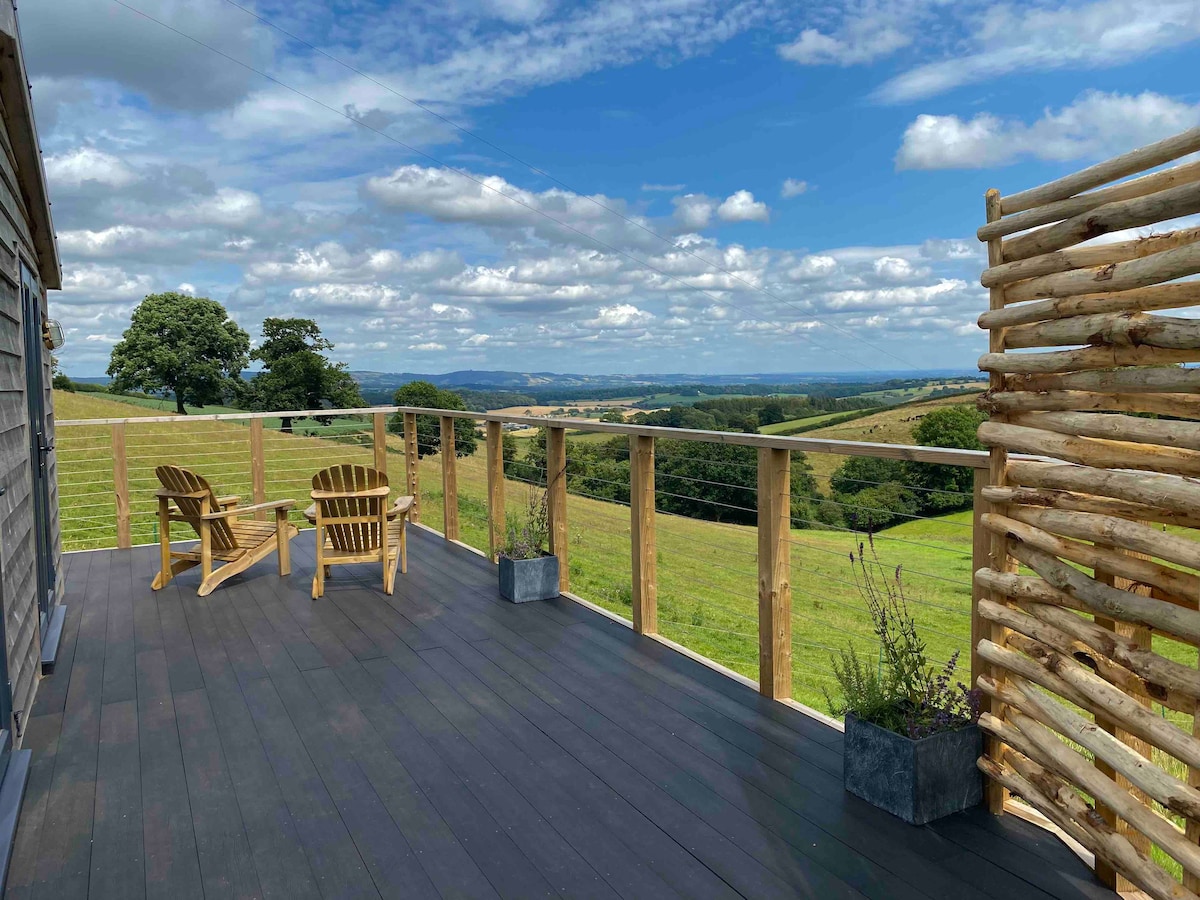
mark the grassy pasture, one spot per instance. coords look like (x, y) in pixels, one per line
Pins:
(788, 425)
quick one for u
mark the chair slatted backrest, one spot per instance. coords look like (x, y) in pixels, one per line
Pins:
(179, 481)
(347, 480)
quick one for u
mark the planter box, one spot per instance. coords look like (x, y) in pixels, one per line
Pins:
(522, 580)
(919, 781)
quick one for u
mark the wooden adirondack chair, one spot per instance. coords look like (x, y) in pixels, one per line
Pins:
(355, 523)
(224, 535)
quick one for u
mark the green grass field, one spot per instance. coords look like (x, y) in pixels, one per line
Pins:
(82, 402)
(790, 425)
(707, 570)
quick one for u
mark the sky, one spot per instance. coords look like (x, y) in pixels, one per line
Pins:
(633, 186)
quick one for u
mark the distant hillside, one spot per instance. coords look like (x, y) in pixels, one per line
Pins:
(524, 381)
(890, 426)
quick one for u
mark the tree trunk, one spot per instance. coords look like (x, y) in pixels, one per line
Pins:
(179, 404)
(286, 425)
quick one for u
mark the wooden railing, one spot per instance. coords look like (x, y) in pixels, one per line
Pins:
(774, 551)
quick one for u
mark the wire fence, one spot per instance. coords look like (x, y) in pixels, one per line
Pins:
(706, 550)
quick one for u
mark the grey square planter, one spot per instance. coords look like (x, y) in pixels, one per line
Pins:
(917, 780)
(522, 580)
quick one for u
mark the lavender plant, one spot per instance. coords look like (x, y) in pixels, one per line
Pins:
(903, 692)
(527, 536)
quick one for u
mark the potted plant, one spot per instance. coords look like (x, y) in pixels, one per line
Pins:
(911, 740)
(528, 571)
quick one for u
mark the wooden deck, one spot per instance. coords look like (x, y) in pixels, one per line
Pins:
(441, 742)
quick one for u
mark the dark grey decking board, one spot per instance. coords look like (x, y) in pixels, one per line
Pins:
(444, 743)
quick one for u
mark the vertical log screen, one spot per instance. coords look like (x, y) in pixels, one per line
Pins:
(1103, 394)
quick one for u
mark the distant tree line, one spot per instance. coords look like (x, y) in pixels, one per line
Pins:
(481, 398)
(872, 493)
(748, 413)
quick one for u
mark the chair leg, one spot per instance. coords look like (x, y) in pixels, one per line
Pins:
(164, 546)
(206, 567)
(283, 536)
(384, 549)
(404, 546)
(318, 585)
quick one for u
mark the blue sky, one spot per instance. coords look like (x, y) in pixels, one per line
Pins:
(797, 185)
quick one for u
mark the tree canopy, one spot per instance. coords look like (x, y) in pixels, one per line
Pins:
(183, 344)
(425, 395)
(946, 487)
(872, 494)
(296, 374)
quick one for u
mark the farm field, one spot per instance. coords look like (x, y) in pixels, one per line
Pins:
(84, 404)
(707, 570)
(547, 410)
(786, 427)
(904, 395)
(888, 426)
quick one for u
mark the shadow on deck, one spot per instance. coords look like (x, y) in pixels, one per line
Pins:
(441, 742)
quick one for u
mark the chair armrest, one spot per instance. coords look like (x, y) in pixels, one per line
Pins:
(256, 507)
(366, 492)
(402, 505)
(311, 513)
(231, 500)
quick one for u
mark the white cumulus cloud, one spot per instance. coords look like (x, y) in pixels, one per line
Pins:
(793, 187)
(77, 167)
(740, 206)
(1096, 124)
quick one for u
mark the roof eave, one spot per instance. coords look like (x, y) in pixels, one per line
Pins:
(31, 173)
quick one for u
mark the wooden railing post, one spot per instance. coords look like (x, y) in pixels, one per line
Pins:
(258, 467)
(642, 536)
(379, 441)
(556, 501)
(495, 476)
(774, 574)
(412, 466)
(121, 486)
(449, 481)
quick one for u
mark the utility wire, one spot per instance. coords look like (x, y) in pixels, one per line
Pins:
(540, 171)
(467, 175)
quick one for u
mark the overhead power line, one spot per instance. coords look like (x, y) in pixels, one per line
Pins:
(469, 176)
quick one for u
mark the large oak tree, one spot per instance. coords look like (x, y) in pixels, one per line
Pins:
(296, 374)
(183, 344)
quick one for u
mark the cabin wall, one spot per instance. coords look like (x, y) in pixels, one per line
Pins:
(18, 578)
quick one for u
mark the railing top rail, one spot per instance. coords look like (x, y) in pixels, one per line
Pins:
(976, 459)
